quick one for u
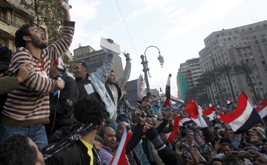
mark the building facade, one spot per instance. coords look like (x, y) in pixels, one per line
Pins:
(13, 14)
(245, 43)
(187, 75)
(95, 58)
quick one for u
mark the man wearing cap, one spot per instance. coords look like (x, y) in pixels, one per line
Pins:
(63, 101)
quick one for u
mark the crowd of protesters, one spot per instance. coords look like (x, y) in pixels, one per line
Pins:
(47, 117)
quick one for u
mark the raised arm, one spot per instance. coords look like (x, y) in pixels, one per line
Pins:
(121, 81)
(59, 47)
(103, 72)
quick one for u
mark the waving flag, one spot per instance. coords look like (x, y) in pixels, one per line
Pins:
(168, 92)
(244, 117)
(176, 99)
(185, 121)
(140, 87)
(262, 108)
(120, 156)
(195, 112)
(171, 135)
(210, 105)
(229, 101)
(210, 113)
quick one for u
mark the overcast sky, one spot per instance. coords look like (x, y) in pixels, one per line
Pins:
(176, 27)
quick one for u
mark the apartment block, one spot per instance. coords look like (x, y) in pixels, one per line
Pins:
(244, 43)
(13, 14)
(187, 75)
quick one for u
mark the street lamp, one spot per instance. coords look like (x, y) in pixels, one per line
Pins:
(145, 66)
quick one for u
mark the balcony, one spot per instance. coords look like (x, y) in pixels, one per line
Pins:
(7, 21)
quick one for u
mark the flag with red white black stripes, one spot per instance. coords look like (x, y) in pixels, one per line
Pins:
(244, 117)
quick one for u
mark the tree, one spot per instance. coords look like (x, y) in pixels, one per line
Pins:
(46, 12)
(66, 59)
(207, 83)
(226, 70)
(247, 68)
(212, 76)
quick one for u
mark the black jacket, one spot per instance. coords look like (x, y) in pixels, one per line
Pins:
(74, 154)
(64, 109)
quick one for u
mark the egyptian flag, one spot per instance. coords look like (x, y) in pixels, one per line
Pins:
(210, 105)
(220, 114)
(262, 108)
(176, 99)
(168, 92)
(244, 117)
(210, 113)
(195, 111)
(171, 135)
(185, 121)
(120, 155)
(229, 101)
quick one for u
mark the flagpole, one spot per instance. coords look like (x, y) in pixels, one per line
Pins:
(257, 113)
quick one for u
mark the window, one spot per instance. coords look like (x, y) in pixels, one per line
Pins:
(257, 27)
(229, 38)
(260, 83)
(250, 29)
(236, 31)
(243, 30)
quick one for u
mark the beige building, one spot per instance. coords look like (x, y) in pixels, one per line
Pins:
(191, 70)
(13, 14)
(187, 75)
(245, 43)
(95, 58)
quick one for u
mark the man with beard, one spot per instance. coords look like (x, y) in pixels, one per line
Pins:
(27, 108)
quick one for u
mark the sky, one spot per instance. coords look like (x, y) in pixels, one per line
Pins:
(176, 27)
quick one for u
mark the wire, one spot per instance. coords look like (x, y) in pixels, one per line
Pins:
(250, 11)
(127, 30)
(54, 120)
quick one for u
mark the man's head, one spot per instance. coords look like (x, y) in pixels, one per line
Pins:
(20, 150)
(194, 126)
(111, 78)
(29, 35)
(120, 129)
(90, 111)
(145, 100)
(190, 135)
(57, 67)
(154, 121)
(149, 120)
(188, 158)
(260, 160)
(226, 148)
(98, 142)
(109, 136)
(80, 70)
(216, 161)
(255, 139)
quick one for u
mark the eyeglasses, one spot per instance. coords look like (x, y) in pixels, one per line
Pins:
(78, 67)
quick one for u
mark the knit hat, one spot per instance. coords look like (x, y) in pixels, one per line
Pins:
(60, 64)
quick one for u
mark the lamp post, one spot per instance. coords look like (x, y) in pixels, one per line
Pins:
(145, 66)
